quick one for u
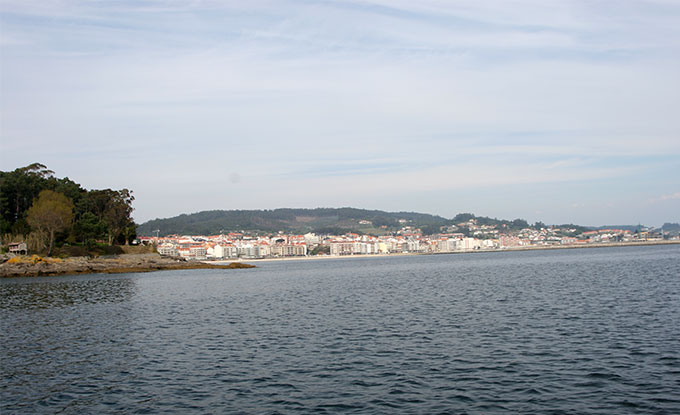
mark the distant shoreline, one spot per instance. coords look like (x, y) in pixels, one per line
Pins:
(128, 263)
(402, 254)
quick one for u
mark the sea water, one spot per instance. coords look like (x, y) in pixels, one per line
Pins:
(545, 332)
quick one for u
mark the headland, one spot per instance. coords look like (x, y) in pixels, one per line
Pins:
(34, 266)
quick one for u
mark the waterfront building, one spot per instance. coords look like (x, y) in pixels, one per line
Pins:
(167, 250)
(223, 251)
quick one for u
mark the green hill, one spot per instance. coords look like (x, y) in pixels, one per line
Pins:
(320, 220)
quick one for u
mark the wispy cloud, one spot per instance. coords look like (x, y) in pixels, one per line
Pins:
(354, 97)
(673, 196)
(666, 197)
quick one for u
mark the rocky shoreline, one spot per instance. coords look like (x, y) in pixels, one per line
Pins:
(34, 266)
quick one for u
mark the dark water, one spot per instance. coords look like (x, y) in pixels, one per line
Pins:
(571, 331)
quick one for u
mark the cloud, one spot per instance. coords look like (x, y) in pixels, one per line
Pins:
(673, 196)
(664, 198)
(356, 98)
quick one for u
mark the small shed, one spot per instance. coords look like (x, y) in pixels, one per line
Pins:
(18, 248)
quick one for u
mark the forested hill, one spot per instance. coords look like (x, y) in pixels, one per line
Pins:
(320, 220)
(323, 220)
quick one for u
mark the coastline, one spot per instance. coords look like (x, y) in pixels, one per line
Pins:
(402, 254)
(35, 266)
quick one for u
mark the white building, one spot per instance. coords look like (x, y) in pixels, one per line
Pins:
(312, 239)
(342, 248)
(198, 252)
(469, 244)
(224, 251)
(289, 250)
(248, 251)
(167, 250)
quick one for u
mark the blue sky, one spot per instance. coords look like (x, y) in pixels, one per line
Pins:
(558, 111)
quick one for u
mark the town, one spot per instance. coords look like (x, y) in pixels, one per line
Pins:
(464, 237)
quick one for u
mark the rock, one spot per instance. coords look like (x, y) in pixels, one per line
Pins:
(33, 266)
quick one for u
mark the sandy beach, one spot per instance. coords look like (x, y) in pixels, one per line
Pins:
(31, 266)
(392, 255)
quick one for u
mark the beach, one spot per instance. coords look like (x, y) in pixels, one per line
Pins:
(402, 254)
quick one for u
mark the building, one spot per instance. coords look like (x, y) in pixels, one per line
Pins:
(167, 250)
(18, 248)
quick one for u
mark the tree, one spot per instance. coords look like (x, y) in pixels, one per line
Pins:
(463, 217)
(113, 208)
(89, 228)
(117, 212)
(17, 190)
(519, 224)
(431, 229)
(50, 213)
(129, 232)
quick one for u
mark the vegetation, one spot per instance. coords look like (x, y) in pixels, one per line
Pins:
(50, 212)
(671, 226)
(333, 221)
(516, 224)
(569, 229)
(320, 250)
(320, 220)
(631, 228)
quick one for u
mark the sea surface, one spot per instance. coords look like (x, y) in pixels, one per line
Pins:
(579, 331)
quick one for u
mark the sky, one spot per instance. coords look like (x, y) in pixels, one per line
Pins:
(555, 111)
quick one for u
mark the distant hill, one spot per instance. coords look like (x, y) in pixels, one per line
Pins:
(631, 228)
(320, 220)
(671, 227)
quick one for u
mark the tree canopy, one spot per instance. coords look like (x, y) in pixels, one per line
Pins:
(51, 212)
(97, 215)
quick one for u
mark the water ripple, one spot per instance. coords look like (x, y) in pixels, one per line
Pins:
(559, 332)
